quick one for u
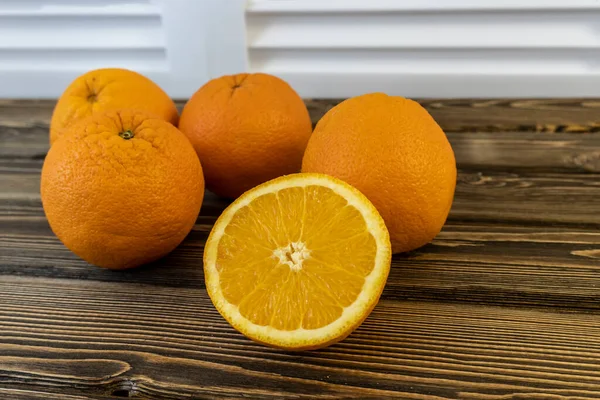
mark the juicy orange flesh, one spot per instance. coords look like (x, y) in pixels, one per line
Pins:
(295, 258)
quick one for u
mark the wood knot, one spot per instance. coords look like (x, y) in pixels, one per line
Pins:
(588, 161)
(123, 388)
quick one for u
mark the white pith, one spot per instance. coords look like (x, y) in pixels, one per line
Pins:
(292, 255)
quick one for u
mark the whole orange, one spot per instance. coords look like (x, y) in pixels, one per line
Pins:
(110, 89)
(393, 151)
(246, 129)
(121, 189)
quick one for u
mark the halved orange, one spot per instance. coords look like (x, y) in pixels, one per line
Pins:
(298, 262)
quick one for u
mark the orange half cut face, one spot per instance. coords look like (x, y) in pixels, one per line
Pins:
(298, 262)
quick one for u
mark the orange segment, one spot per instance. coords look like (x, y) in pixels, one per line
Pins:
(298, 262)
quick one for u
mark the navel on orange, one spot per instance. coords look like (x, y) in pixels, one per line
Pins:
(298, 262)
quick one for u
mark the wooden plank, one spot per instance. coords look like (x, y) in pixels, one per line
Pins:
(171, 343)
(502, 115)
(508, 151)
(453, 115)
(527, 198)
(467, 263)
(526, 151)
(30, 142)
(25, 113)
(45, 394)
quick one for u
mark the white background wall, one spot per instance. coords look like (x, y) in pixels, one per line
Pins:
(333, 48)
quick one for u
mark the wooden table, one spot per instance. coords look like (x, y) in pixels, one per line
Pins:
(504, 304)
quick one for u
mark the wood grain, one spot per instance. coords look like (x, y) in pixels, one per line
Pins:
(41, 394)
(23, 132)
(482, 263)
(526, 151)
(528, 198)
(464, 115)
(25, 147)
(141, 337)
(483, 115)
(509, 240)
(503, 304)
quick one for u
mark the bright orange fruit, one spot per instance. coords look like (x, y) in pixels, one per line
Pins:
(121, 189)
(298, 262)
(393, 151)
(110, 89)
(246, 129)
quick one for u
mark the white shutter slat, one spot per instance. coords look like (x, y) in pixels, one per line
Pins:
(180, 44)
(73, 62)
(88, 8)
(44, 44)
(473, 61)
(441, 85)
(352, 6)
(81, 32)
(530, 29)
(455, 48)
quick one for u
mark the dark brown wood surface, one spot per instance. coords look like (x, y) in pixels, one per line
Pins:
(504, 304)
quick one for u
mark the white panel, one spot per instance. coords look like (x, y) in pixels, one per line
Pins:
(427, 48)
(205, 39)
(45, 44)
